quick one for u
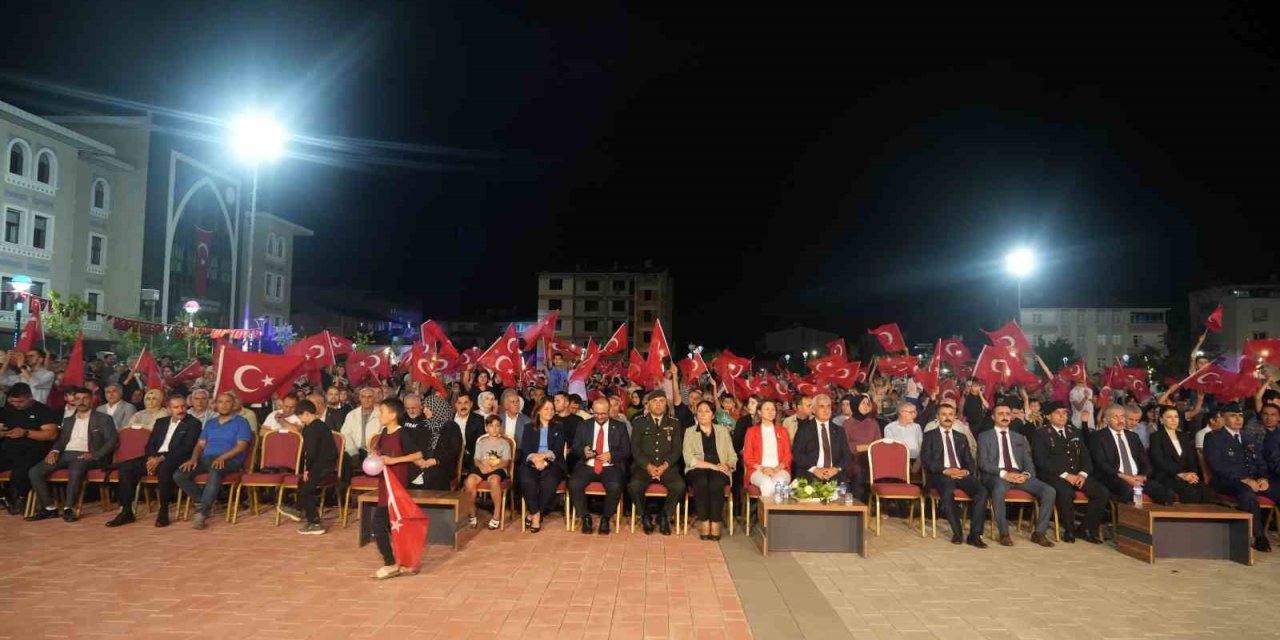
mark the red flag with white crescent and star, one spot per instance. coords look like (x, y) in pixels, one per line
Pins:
(658, 349)
(1010, 337)
(544, 328)
(362, 364)
(692, 366)
(251, 375)
(433, 336)
(74, 373)
(192, 371)
(33, 329)
(890, 337)
(501, 357)
(836, 348)
(317, 349)
(1214, 322)
(204, 249)
(147, 366)
(408, 524)
(617, 343)
(425, 366)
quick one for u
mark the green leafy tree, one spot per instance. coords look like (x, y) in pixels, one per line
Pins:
(128, 343)
(65, 318)
(362, 339)
(1053, 353)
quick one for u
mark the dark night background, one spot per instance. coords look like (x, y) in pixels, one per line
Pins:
(835, 165)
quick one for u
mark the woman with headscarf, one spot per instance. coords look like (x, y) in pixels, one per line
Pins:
(437, 446)
(152, 410)
(486, 404)
(861, 429)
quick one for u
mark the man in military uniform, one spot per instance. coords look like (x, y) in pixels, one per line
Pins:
(656, 441)
(1237, 469)
(1063, 463)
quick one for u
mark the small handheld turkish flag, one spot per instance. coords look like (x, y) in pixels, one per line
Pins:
(544, 328)
(317, 349)
(362, 364)
(33, 330)
(434, 337)
(1266, 351)
(252, 376)
(1072, 373)
(192, 371)
(1010, 337)
(890, 337)
(1214, 322)
(898, 365)
(616, 344)
(727, 365)
(148, 367)
(953, 351)
(836, 348)
(74, 374)
(501, 358)
(692, 367)
(636, 370)
(408, 524)
(340, 344)
(425, 367)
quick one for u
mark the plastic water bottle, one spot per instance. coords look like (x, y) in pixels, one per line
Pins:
(1137, 496)
(779, 491)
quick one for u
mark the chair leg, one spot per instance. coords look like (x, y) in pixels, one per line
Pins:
(878, 515)
(731, 514)
(933, 510)
(633, 516)
(568, 512)
(280, 502)
(346, 507)
(1057, 528)
(922, 534)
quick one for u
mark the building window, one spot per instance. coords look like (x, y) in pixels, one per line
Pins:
(619, 286)
(592, 285)
(1115, 317)
(1116, 339)
(591, 326)
(94, 298)
(646, 294)
(559, 324)
(97, 252)
(555, 284)
(1259, 335)
(13, 225)
(38, 288)
(18, 154)
(101, 197)
(275, 286)
(1146, 317)
(616, 325)
(1102, 364)
(41, 231)
(620, 306)
(1137, 340)
(1259, 314)
(47, 168)
(1102, 339)
(645, 337)
(647, 316)
(553, 304)
(591, 306)
(1037, 318)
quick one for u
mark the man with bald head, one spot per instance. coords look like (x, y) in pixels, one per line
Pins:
(602, 448)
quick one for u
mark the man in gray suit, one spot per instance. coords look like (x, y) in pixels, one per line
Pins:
(87, 440)
(116, 407)
(1004, 457)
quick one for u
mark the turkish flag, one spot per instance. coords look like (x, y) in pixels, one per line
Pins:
(317, 349)
(995, 364)
(778, 386)
(836, 348)
(408, 524)
(362, 364)
(1073, 373)
(1214, 322)
(897, 365)
(617, 343)
(746, 387)
(1246, 383)
(33, 330)
(73, 376)
(929, 376)
(808, 386)
(434, 337)
(890, 337)
(835, 369)
(147, 366)
(1010, 337)
(583, 371)
(1263, 351)
(948, 392)
(469, 357)
(692, 367)
(544, 328)
(727, 365)
(252, 376)
(658, 349)
(1211, 378)
(502, 357)
(1141, 389)
(425, 366)
(204, 248)
(340, 345)
(954, 352)
(637, 371)
(569, 350)
(192, 371)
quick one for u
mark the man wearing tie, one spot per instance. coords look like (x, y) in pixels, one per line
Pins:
(1237, 470)
(172, 440)
(949, 465)
(1121, 461)
(821, 450)
(1005, 460)
(1063, 463)
(602, 448)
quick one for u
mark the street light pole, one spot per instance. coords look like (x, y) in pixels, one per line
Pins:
(256, 138)
(21, 285)
(253, 216)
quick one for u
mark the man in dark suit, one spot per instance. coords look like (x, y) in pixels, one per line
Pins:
(1004, 457)
(470, 427)
(949, 465)
(603, 449)
(821, 450)
(86, 440)
(1121, 461)
(1238, 470)
(172, 440)
(1063, 463)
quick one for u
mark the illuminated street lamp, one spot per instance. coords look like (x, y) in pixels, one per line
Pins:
(1020, 263)
(192, 308)
(256, 139)
(21, 285)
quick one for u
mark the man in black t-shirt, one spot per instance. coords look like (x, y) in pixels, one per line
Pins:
(27, 431)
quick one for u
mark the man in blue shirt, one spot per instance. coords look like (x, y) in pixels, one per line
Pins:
(219, 453)
(557, 376)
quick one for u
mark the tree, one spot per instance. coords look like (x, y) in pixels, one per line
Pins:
(362, 339)
(1056, 352)
(65, 318)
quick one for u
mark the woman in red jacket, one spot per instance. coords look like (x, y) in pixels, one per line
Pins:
(767, 451)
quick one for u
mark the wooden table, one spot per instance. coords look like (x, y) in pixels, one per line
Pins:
(442, 507)
(1184, 531)
(809, 526)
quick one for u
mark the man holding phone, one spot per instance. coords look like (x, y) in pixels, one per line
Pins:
(27, 428)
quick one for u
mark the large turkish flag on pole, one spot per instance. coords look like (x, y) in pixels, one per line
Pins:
(251, 375)
(408, 524)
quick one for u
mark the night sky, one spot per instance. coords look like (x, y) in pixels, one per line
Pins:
(835, 165)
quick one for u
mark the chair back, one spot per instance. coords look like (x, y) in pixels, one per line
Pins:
(342, 452)
(281, 450)
(511, 469)
(133, 444)
(888, 461)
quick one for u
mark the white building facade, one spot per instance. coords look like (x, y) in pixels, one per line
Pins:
(1099, 334)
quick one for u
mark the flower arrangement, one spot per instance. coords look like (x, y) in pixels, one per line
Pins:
(802, 489)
